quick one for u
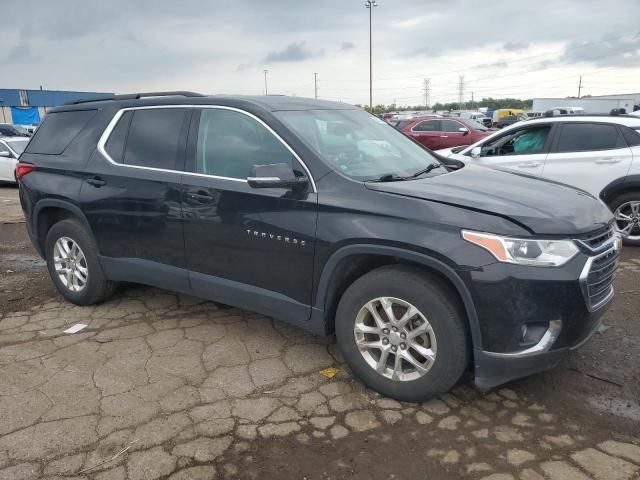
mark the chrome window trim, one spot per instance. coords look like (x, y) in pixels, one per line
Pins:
(114, 121)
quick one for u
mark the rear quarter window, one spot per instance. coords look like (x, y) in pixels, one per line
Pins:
(631, 136)
(58, 131)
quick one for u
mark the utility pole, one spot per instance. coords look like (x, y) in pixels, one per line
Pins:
(427, 91)
(370, 4)
(471, 100)
(315, 83)
(266, 92)
(460, 91)
(579, 86)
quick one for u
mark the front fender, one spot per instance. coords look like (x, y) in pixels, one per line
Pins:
(318, 309)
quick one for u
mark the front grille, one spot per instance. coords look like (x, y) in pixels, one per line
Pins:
(600, 270)
(598, 239)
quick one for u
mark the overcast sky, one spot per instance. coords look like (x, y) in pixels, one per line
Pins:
(514, 48)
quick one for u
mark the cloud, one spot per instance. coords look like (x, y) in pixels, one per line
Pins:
(294, 52)
(244, 66)
(610, 50)
(347, 46)
(497, 64)
(515, 46)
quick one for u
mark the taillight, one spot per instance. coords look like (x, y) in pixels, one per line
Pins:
(23, 168)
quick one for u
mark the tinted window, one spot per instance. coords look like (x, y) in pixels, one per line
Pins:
(451, 126)
(521, 142)
(58, 130)
(579, 137)
(156, 138)
(118, 137)
(631, 136)
(428, 126)
(230, 143)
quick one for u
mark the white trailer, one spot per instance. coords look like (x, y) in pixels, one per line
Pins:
(590, 104)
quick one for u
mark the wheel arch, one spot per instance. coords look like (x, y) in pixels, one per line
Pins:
(619, 187)
(47, 213)
(352, 261)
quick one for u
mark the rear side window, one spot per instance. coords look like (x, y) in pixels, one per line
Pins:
(156, 138)
(581, 137)
(58, 131)
(631, 136)
(428, 126)
(118, 137)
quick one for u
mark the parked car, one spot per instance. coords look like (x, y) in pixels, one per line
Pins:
(10, 150)
(436, 133)
(8, 130)
(478, 117)
(509, 120)
(598, 154)
(324, 216)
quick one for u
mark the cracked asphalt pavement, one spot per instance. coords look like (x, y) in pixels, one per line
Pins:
(160, 385)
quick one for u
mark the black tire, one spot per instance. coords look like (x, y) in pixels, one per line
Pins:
(436, 301)
(620, 200)
(98, 287)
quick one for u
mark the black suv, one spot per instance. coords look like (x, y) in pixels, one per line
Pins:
(324, 216)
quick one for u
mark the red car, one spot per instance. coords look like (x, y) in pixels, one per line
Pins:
(443, 132)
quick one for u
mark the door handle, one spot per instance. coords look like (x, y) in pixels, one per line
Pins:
(444, 136)
(96, 182)
(200, 196)
(529, 164)
(609, 160)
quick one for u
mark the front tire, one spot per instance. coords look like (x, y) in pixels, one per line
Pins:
(72, 261)
(626, 209)
(402, 331)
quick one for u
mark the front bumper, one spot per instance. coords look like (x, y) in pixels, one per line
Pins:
(493, 369)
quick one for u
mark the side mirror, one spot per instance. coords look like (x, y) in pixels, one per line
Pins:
(5, 154)
(475, 152)
(463, 130)
(277, 175)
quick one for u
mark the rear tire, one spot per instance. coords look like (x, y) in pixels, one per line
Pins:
(445, 344)
(628, 205)
(72, 261)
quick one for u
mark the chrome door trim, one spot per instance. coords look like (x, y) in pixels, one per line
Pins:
(114, 121)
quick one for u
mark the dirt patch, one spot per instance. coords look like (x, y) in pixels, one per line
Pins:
(24, 280)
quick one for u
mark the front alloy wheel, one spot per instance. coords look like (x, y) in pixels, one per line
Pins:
(395, 339)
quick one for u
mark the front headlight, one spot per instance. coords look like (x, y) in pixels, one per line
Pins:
(541, 253)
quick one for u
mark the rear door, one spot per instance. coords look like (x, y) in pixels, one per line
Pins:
(428, 133)
(521, 149)
(131, 196)
(588, 155)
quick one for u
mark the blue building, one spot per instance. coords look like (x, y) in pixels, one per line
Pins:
(26, 107)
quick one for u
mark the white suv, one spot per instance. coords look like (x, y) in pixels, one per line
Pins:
(599, 154)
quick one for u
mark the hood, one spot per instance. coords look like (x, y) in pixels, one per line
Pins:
(541, 206)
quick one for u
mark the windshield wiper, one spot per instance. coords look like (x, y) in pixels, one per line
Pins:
(427, 169)
(388, 177)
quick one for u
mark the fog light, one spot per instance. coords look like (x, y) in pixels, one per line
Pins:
(531, 333)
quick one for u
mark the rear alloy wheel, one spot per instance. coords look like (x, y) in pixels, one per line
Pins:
(403, 332)
(73, 263)
(626, 209)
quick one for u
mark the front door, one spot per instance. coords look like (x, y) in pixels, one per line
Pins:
(451, 136)
(428, 133)
(246, 246)
(522, 149)
(588, 156)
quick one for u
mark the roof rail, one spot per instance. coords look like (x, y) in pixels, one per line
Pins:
(136, 96)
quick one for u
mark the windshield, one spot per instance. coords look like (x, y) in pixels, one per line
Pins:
(358, 144)
(18, 146)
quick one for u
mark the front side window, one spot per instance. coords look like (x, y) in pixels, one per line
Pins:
(230, 143)
(156, 138)
(581, 137)
(428, 126)
(520, 142)
(451, 126)
(358, 144)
